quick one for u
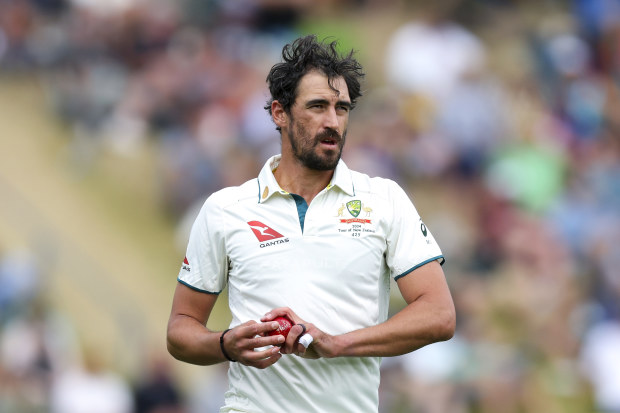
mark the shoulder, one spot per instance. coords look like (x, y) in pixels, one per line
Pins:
(377, 186)
(228, 197)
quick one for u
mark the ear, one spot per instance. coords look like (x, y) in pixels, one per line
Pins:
(278, 114)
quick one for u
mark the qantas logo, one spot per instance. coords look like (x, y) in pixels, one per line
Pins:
(263, 232)
(186, 266)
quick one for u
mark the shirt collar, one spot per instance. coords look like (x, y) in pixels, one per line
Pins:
(267, 184)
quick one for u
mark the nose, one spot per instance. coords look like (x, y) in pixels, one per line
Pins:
(331, 119)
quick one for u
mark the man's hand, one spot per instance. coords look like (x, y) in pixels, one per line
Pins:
(323, 344)
(242, 341)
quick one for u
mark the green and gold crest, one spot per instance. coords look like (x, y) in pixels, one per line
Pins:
(354, 207)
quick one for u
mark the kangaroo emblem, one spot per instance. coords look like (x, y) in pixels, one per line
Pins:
(340, 211)
(367, 210)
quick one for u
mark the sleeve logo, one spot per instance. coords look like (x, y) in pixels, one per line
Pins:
(185, 265)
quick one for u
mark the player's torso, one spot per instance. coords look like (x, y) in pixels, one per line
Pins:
(328, 271)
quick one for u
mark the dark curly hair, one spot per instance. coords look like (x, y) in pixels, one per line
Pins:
(304, 55)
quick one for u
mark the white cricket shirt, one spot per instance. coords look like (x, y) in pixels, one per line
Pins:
(330, 262)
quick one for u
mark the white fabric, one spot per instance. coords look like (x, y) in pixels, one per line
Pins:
(334, 274)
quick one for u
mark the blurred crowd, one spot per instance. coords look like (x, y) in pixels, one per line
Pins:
(501, 118)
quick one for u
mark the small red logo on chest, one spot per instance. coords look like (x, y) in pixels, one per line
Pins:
(263, 232)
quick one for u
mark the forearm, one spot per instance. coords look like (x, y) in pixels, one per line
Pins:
(190, 341)
(418, 324)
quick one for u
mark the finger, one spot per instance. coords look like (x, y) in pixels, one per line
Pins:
(281, 311)
(296, 332)
(259, 329)
(306, 340)
(249, 336)
(310, 353)
(302, 344)
(264, 363)
(245, 330)
(262, 359)
(265, 340)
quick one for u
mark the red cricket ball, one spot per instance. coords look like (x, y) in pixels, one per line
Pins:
(284, 328)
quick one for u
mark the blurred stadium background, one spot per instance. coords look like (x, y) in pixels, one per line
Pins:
(500, 117)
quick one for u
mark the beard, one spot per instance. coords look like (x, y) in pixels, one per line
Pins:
(306, 149)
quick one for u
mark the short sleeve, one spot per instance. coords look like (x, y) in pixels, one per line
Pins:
(205, 267)
(410, 243)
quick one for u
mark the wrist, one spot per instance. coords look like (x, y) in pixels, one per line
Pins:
(338, 346)
(223, 349)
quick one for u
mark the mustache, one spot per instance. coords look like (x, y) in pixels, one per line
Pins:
(329, 134)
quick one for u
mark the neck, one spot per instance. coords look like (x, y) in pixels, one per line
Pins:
(297, 179)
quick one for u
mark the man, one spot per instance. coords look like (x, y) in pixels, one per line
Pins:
(286, 246)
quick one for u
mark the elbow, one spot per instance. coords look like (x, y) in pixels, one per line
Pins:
(173, 344)
(177, 352)
(446, 325)
(172, 349)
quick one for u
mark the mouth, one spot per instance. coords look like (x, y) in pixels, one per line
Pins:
(329, 141)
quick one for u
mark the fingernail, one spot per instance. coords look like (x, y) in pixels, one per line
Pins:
(275, 325)
(280, 338)
(268, 315)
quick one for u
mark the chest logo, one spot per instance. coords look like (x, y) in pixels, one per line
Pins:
(354, 207)
(263, 232)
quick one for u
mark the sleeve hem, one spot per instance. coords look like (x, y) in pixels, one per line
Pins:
(197, 289)
(439, 258)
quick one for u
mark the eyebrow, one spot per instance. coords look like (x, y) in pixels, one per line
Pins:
(326, 102)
